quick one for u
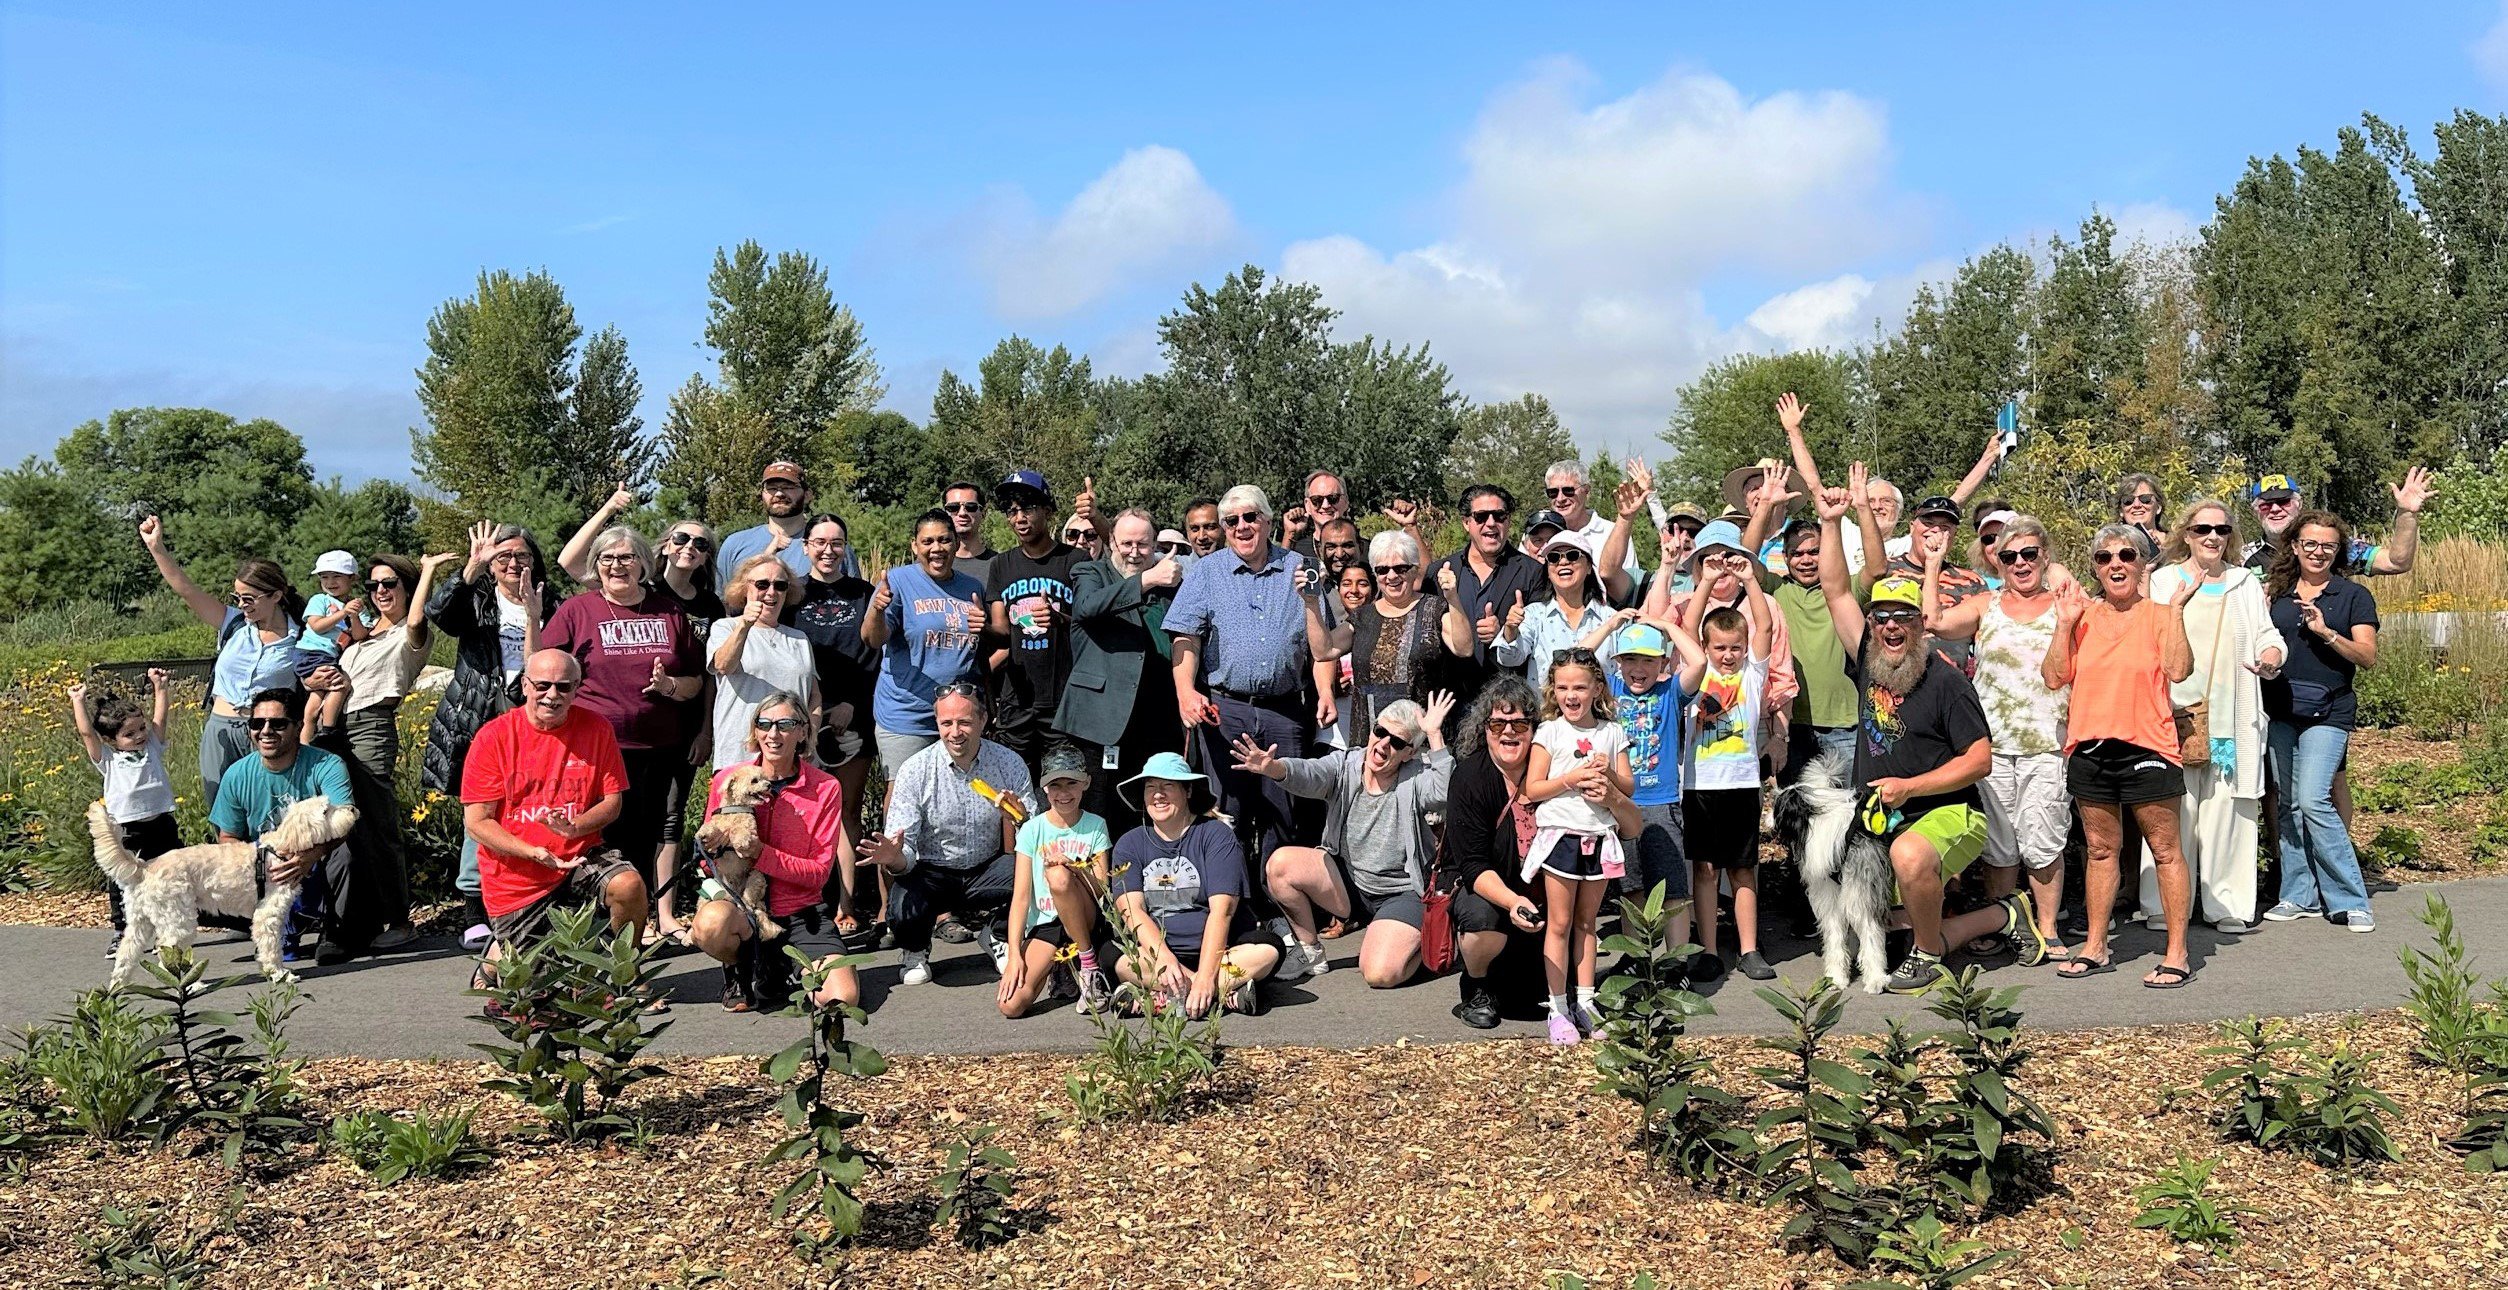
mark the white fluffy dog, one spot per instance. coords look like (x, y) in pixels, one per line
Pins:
(163, 899)
(1845, 870)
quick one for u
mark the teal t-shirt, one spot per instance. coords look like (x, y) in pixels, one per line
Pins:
(252, 797)
(1043, 842)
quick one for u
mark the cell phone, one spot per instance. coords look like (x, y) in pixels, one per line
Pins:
(1534, 924)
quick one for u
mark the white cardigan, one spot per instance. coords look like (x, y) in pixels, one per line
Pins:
(2236, 696)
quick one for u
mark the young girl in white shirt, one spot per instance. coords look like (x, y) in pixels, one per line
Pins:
(1578, 764)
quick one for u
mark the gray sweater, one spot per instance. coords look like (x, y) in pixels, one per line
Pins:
(1338, 779)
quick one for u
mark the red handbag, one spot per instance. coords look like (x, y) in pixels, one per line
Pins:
(1437, 946)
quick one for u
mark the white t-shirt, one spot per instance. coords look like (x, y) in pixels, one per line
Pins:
(135, 783)
(772, 659)
(381, 667)
(511, 622)
(1724, 747)
(1570, 748)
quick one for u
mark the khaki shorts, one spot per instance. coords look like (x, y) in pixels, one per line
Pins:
(2029, 813)
(585, 884)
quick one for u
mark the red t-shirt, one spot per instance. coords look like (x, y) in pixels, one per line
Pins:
(796, 836)
(532, 776)
(617, 646)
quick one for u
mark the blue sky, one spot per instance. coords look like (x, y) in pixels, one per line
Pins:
(255, 208)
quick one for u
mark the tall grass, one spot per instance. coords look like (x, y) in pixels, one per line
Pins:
(2442, 694)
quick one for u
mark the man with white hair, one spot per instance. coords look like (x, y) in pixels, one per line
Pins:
(1570, 495)
(1247, 621)
(1120, 702)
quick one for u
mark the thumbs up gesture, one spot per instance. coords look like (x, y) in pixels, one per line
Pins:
(1515, 617)
(1487, 627)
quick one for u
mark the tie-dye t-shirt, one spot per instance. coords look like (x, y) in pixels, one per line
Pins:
(1901, 736)
(2027, 718)
(1724, 727)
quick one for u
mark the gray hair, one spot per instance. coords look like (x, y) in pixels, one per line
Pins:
(1403, 718)
(1246, 497)
(786, 699)
(2120, 532)
(1568, 466)
(2021, 524)
(636, 546)
(1396, 543)
(1897, 494)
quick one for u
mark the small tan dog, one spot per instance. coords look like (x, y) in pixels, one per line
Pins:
(729, 839)
(164, 898)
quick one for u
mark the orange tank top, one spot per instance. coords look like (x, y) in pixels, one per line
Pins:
(2119, 690)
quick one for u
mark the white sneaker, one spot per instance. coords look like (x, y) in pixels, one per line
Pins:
(915, 967)
(2360, 920)
(995, 946)
(1305, 961)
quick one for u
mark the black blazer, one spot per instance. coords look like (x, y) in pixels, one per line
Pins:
(1112, 643)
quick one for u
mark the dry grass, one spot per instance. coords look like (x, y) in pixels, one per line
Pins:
(1486, 1165)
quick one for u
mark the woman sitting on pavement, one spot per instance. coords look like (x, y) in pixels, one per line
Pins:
(1180, 882)
(1380, 801)
(796, 852)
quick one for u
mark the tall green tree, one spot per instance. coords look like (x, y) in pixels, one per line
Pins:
(1961, 354)
(2087, 347)
(513, 414)
(1508, 444)
(226, 488)
(2462, 191)
(1030, 408)
(789, 361)
(895, 463)
(1727, 418)
(52, 533)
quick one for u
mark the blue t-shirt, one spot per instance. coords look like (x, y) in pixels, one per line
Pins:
(1177, 879)
(252, 797)
(319, 604)
(1653, 723)
(756, 538)
(934, 630)
(246, 665)
(1043, 842)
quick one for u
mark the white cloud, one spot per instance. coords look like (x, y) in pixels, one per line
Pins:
(1147, 213)
(1583, 238)
(2490, 53)
(2154, 224)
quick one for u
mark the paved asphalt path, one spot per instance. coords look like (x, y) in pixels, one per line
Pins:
(411, 1004)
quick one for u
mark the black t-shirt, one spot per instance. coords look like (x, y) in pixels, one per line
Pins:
(831, 614)
(1036, 596)
(1514, 572)
(702, 608)
(1900, 737)
(2315, 685)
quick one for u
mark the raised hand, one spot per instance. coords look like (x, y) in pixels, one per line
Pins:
(482, 541)
(1790, 412)
(1515, 618)
(78, 695)
(1402, 511)
(1774, 488)
(1833, 503)
(152, 534)
(1252, 756)
(1440, 706)
(1859, 486)
(1294, 520)
(2415, 491)
(1084, 507)
(431, 563)
(882, 596)
(1165, 573)
(622, 498)
(1637, 472)
(159, 678)
(1447, 586)
(2070, 604)
(1630, 496)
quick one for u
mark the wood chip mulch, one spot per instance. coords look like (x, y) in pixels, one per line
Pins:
(1482, 1165)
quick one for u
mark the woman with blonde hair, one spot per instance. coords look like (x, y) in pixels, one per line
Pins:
(752, 655)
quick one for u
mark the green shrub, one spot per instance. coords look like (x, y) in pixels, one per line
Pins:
(832, 1182)
(975, 1184)
(133, 1251)
(2176, 1204)
(1810, 1138)
(2324, 1108)
(1924, 1251)
(241, 1091)
(1684, 1122)
(570, 1007)
(102, 1061)
(421, 1146)
(2460, 1030)
(2394, 847)
(1149, 1072)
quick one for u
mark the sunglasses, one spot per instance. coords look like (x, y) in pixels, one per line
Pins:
(1566, 490)
(2142, 499)
(769, 584)
(1395, 570)
(964, 508)
(1079, 535)
(384, 584)
(2210, 530)
(1511, 725)
(1564, 557)
(697, 540)
(1900, 614)
(266, 725)
(1176, 548)
(1242, 519)
(962, 690)
(2127, 556)
(1024, 505)
(549, 687)
(2023, 555)
(780, 725)
(1488, 517)
(1324, 499)
(1572, 654)
(1399, 743)
(244, 599)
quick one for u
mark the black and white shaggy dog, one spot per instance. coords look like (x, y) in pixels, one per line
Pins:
(1845, 872)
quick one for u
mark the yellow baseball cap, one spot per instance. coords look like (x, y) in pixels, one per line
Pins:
(1897, 591)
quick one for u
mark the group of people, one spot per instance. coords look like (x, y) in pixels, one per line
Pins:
(1237, 738)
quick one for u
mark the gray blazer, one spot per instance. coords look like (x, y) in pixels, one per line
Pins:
(1111, 643)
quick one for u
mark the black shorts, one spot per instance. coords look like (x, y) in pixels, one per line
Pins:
(585, 884)
(1474, 913)
(1189, 951)
(1404, 907)
(2113, 771)
(1721, 827)
(811, 930)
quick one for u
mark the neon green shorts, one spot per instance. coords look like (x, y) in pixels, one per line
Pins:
(1957, 834)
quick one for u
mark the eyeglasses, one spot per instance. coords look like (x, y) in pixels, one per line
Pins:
(1511, 725)
(769, 584)
(510, 558)
(1572, 654)
(825, 544)
(1242, 519)
(1399, 743)
(1395, 570)
(2210, 530)
(1325, 499)
(1488, 517)
(620, 561)
(1563, 490)
(266, 725)
(2125, 556)
(779, 725)
(697, 540)
(2317, 548)
(1564, 557)
(2022, 554)
(964, 508)
(538, 686)
(384, 584)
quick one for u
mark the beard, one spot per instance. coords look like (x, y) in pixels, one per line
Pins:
(1898, 673)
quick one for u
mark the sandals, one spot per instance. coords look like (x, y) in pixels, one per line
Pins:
(2170, 978)
(2087, 966)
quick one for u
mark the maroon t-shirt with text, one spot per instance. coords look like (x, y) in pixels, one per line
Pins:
(617, 646)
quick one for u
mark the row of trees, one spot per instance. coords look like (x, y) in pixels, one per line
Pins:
(2341, 314)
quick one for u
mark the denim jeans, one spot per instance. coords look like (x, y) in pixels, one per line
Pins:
(2320, 870)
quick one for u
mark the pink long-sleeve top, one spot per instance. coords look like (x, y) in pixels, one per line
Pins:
(796, 836)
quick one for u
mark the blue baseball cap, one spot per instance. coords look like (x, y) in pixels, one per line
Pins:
(1023, 479)
(1641, 641)
(2273, 488)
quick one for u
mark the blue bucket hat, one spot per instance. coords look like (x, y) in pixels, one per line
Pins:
(1722, 533)
(1171, 767)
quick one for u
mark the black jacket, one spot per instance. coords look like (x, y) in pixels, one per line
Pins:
(1110, 649)
(466, 611)
(1479, 836)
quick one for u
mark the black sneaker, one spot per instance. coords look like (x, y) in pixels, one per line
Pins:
(736, 995)
(952, 931)
(330, 953)
(1480, 1011)
(1755, 967)
(1917, 973)
(1705, 966)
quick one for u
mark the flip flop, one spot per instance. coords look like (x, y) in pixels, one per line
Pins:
(2057, 953)
(2088, 965)
(2171, 978)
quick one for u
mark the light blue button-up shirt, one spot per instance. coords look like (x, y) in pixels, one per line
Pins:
(1252, 622)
